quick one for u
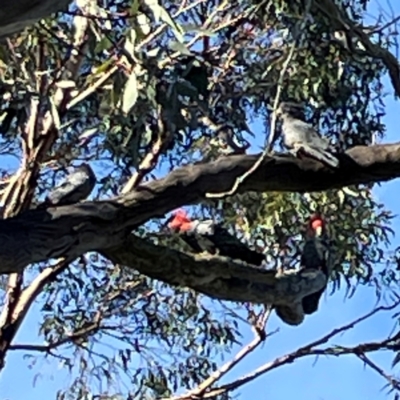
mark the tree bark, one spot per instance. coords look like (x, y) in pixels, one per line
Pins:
(220, 277)
(15, 15)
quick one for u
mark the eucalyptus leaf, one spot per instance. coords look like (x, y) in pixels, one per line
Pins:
(179, 47)
(130, 93)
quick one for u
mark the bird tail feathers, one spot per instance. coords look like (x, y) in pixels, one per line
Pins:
(321, 155)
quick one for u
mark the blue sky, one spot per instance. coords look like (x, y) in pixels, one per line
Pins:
(306, 379)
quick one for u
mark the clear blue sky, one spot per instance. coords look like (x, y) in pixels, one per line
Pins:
(327, 379)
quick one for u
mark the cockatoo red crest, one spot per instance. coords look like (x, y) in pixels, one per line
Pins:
(181, 220)
(316, 224)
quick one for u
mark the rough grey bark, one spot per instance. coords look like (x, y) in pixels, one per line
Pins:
(216, 276)
(220, 277)
(15, 15)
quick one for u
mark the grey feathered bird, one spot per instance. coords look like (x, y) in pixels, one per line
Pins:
(302, 139)
(207, 236)
(75, 187)
(316, 255)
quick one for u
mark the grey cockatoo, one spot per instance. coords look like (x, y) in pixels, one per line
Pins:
(316, 255)
(75, 187)
(207, 236)
(302, 139)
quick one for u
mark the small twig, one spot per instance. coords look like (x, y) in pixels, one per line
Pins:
(197, 37)
(350, 325)
(164, 26)
(72, 337)
(259, 337)
(30, 293)
(265, 152)
(91, 89)
(395, 383)
(214, 13)
(270, 141)
(264, 317)
(307, 350)
(387, 25)
(148, 163)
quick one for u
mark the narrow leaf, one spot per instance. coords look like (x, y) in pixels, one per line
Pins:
(130, 94)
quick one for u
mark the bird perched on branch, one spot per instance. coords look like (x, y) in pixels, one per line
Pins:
(301, 138)
(76, 187)
(316, 255)
(207, 236)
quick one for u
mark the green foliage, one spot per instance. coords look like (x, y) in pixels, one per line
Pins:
(185, 81)
(358, 226)
(160, 340)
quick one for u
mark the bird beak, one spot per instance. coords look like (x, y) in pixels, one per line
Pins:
(318, 231)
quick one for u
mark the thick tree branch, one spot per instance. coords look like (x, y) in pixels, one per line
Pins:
(218, 277)
(38, 235)
(15, 15)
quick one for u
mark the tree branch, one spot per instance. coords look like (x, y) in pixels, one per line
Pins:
(218, 277)
(392, 381)
(15, 15)
(259, 337)
(309, 350)
(38, 235)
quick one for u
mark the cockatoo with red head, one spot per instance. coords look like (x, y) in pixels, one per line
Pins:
(207, 236)
(316, 255)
